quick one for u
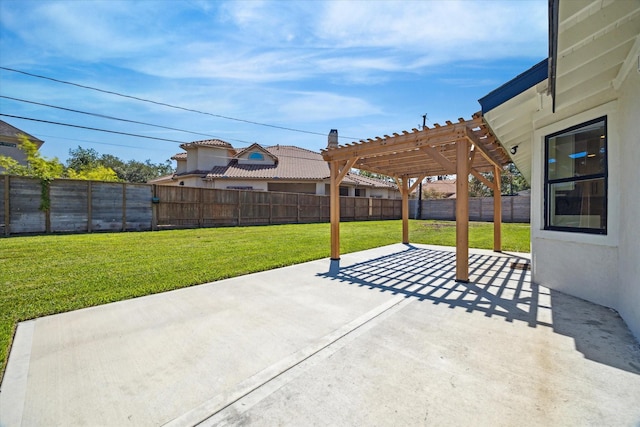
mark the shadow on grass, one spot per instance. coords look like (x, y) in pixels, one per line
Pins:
(498, 286)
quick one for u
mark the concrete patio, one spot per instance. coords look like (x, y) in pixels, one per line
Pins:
(382, 337)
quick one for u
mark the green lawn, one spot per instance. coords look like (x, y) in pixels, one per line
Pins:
(41, 275)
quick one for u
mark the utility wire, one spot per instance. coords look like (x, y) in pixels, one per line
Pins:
(170, 105)
(144, 136)
(105, 116)
(91, 128)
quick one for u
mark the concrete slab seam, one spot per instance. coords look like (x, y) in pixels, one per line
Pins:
(221, 401)
(226, 415)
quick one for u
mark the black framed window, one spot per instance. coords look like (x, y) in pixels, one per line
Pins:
(575, 178)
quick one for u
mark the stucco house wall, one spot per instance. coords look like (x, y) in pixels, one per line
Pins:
(585, 265)
(628, 303)
(597, 74)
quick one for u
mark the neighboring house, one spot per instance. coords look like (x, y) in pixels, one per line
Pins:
(572, 125)
(216, 164)
(10, 142)
(446, 188)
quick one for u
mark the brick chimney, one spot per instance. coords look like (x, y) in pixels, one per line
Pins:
(332, 139)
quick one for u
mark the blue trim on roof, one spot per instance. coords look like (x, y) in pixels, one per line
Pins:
(515, 87)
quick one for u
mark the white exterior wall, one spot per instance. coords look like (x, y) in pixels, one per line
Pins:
(584, 265)
(320, 186)
(629, 248)
(208, 157)
(181, 166)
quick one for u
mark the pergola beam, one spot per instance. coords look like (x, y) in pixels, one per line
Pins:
(397, 144)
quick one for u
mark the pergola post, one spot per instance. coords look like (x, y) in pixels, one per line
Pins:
(497, 210)
(404, 191)
(334, 209)
(462, 210)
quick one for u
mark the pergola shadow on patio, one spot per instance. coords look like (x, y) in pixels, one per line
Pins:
(499, 286)
(464, 148)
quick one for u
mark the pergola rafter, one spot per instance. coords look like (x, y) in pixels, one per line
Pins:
(461, 148)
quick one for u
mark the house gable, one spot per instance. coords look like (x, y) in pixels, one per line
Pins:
(255, 154)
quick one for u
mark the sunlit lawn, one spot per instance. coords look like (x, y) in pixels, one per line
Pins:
(41, 275)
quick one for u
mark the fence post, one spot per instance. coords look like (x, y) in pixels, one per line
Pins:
(200, 207)
(7, 209)
(124, 206)
(89, 206)
(154, 207)
(47, 212)
(239, 205)
(298, 208)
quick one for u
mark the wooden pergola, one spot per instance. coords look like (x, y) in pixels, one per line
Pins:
(462, 148)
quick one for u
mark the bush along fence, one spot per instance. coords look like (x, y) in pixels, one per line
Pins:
(514, 209)
(75, 206)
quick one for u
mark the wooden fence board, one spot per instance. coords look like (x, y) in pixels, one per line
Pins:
(138, 211)
(25, 215)
(4, 204)
(68, 206)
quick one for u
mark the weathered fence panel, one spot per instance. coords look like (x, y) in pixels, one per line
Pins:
(137, 210)
(25, 215)
(4, 201)
(514, 209)
(69, 202)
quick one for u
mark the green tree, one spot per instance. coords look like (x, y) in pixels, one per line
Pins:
(96, 173)
(85, 164)
(511, 181)
(37, 167)
(82, 159)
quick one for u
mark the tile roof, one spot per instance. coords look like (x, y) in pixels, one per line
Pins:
(179, 156)
(207, 143)
(446, 186)
(368, 182)
(293, 163)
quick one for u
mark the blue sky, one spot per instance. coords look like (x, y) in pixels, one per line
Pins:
(364, 68)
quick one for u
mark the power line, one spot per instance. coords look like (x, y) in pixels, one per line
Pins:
(170, 105)
(105, 116)
(92, 128)
(40, 135)
(139, 136)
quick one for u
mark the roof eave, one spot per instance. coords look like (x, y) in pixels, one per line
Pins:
(515, 86)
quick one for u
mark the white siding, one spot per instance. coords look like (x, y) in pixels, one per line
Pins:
(629, 250)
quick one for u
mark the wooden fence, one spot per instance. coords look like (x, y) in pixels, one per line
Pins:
(74, 206)
(202, 207)
(87, 206)
(514, 209)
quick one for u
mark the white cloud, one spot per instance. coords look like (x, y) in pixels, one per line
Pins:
(318, 106)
